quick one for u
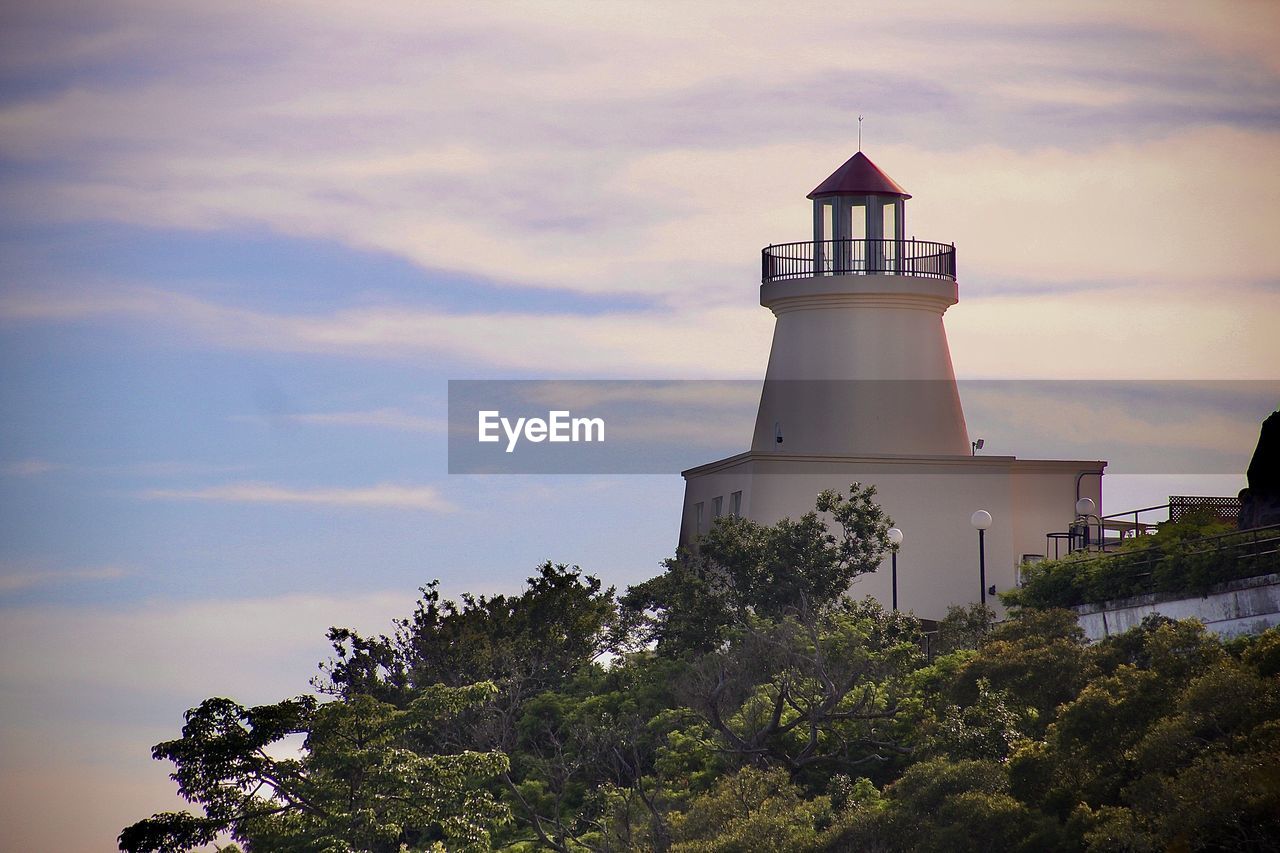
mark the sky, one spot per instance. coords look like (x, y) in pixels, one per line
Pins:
(245, 246)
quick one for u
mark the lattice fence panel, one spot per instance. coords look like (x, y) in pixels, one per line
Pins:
(1182, 507)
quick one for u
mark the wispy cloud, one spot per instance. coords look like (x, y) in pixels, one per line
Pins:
(618, 183)
(710, 394)
(381, 496)
(698, 342)
(27, 579)
(1142, 427)
(31, 468)
(386, 418)
(1007, 336)
(164, 468)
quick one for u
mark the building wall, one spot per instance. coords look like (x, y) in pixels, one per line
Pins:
(1039, 492)
(720, 482)
(930, 498)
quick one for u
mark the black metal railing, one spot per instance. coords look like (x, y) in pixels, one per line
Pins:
(858, 257)
(1138, 522)
(1176, 567)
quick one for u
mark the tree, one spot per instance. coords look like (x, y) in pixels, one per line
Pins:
(964, 628)
(355, 786)
(524, 644)
(950, 805)
(751, 811)
(1207, 774)
(815, 690)
(767, 694)
(743, 567)
(1037, 660)
(530, 642)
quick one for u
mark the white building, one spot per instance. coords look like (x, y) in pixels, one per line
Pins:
(860, 388)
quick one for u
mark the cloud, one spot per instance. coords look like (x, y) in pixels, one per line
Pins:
(637, 139)
(68, 304)
(389, 418)
(31, 468)
(13, 581)
(697, 343)
(712, 394)
(1223, 332)
(381, 496)
(164, 468)
(1145, 427)
(1134, 332)
(1117, 213)
(385, 418)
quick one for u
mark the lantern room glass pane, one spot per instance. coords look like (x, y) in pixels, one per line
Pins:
(828, 234)
(890, 233)
(858, 221)
(855, 252)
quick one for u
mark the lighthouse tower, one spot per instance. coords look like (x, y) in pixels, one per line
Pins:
(860, 388)
(860, 362)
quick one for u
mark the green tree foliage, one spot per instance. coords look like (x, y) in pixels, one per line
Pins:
(751, 811)
(541, 649)
(525, 643)
(816, 690)
(355, 785)
(769, 571)
(1038, 661)
(741, 701)
(963, 628)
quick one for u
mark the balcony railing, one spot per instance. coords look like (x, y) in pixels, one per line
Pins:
(858, 257)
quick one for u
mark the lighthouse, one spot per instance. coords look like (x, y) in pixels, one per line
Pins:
(859, 362)
(860, 387)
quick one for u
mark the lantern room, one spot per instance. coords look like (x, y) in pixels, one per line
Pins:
(858, 220)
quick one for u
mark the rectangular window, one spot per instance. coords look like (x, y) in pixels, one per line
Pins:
(697, 517)
(1027, 560)
(735, 504)
(717, 506)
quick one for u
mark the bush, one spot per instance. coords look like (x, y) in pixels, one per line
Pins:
(1187, 557)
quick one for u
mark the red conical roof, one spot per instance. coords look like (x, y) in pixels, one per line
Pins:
(859, 176)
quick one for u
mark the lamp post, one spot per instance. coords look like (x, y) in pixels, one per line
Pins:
(895, 539)
(981, 520)
(1086, 509)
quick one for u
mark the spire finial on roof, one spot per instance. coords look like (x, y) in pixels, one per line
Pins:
(859, 133)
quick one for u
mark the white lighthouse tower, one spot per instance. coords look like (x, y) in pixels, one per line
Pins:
(860, 362)
(860, 388)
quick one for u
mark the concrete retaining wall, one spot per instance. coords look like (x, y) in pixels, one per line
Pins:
(1247, 606)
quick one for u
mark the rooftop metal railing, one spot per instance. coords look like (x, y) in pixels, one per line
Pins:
(858, 257)
(1209, 560)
